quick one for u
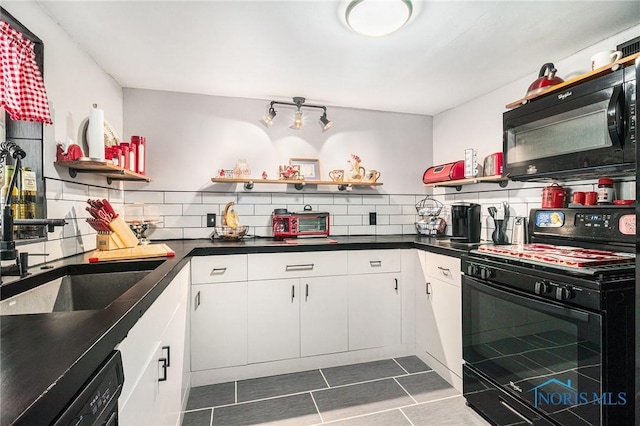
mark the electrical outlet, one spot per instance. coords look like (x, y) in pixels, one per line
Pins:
(211, 220)
(373, 218)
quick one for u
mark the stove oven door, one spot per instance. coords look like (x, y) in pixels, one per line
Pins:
(544, 355)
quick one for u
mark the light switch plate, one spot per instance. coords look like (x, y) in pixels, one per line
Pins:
(211, 220)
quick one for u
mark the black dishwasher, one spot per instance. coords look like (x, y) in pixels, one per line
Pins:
(96, 403)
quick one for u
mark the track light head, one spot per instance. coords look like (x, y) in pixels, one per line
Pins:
(326, 124)
(267, 120)
(297, 121)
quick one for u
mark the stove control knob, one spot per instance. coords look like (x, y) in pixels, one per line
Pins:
(541, 287)
(472, 270)
(486, 273)
(564, 293)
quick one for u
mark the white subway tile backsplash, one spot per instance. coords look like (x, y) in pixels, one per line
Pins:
(347, 220)
(182, 221)
(200, 209)
(183, 197)
(218, 198)
(409, 200)
(146, 197)
(53, 189)
(389, 209)
(258, 198)
(360, 210)
(74, 191)
(375, 199)
(348, 199)
(96, 192)
(282, 199)
(318, 198)
(334, 209)
(362, 230)
(263, 209)
(196, 233)
(381, 219)
(264, 221)
(165, 234)
(400, 219)
(388, 229)
(167, 209)
(339, 230)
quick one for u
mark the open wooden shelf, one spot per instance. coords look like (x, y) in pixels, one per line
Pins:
(102, 168)
(298, 183)
(576, 80)
(457, 184)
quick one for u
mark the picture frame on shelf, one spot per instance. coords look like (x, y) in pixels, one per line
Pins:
(309, 167)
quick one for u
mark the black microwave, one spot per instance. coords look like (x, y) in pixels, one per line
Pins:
(581, 132)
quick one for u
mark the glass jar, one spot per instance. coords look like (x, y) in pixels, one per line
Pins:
(241, 169)
(605, 191)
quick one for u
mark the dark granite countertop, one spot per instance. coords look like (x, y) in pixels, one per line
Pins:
(45, 358)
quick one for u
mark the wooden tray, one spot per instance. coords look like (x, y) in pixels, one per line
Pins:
(138, 252)
(576, 80)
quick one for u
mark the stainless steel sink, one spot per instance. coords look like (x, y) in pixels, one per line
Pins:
(73, 293)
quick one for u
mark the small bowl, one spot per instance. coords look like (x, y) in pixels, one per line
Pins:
(623, 202)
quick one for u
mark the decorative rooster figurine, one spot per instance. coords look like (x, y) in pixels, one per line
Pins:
(356, 172)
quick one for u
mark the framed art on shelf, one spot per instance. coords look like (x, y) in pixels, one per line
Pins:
(309, 167)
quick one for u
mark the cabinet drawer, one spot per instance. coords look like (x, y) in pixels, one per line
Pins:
(444, 268)
(374, 261)
(218, 269)
(264, 266)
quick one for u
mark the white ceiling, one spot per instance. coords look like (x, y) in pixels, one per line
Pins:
(449, 53)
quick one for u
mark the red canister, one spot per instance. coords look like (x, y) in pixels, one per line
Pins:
(553, 197)
(140, 144)
(124, 159)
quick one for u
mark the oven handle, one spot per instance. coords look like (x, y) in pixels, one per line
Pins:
(544, 307)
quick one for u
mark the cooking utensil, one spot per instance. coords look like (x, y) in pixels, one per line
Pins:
(544, 80)
(492, 211)
(519, 232)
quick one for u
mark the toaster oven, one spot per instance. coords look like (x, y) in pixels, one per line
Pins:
(303, 224)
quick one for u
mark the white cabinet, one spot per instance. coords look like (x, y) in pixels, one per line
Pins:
(301, 310)
(219, 311)
(439, 315)
(274, 320)
(375, 308)
(153, 360)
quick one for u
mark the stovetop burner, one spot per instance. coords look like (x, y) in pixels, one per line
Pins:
(564, 256)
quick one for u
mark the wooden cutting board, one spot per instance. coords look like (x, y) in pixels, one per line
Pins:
(138, 252)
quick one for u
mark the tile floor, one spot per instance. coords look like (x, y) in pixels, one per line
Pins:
(400, 391)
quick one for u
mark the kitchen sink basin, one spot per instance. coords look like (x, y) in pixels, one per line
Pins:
(73, 292)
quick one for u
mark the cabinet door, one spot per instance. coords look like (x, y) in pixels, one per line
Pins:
(444, 332)
(323, 315)
(140, 408)
(169, 401)
(274, 320)
(374, 311)
(218, 325)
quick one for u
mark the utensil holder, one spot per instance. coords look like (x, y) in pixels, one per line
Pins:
(122, 230)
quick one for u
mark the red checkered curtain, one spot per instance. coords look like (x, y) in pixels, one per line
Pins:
(22, 91)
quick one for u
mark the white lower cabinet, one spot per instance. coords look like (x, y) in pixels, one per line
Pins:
(374, 311)
(289, 318)
(439, 315)
(153, 360)
(218, 325)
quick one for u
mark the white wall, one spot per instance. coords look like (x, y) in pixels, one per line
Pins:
(74, 82)
(191, 136)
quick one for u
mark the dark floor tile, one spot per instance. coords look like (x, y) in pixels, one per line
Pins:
(413, 364)
(386, 418)
(211, 395)
(298, 410)
(197, 418)
(364, 398)
(445, 412)
(354, 373)
(283, 384)
(427, 386)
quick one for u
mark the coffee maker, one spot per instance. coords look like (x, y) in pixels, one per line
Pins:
(466, 225)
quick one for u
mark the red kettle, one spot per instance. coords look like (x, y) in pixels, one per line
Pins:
(544, 80)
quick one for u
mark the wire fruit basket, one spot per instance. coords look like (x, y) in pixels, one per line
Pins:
(228, 233)
(429, 207)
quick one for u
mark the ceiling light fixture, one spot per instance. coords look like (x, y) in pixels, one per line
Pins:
(375, 18)
(299, 103)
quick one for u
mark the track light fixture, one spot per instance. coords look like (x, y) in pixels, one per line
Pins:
(299, 103)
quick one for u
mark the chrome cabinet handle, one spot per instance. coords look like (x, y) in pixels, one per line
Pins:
(163, 366)
(301, 267)
(375, 263)
(218, 271)
(514, 411)
(197, 301)
(445, 271)
(168, 357)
